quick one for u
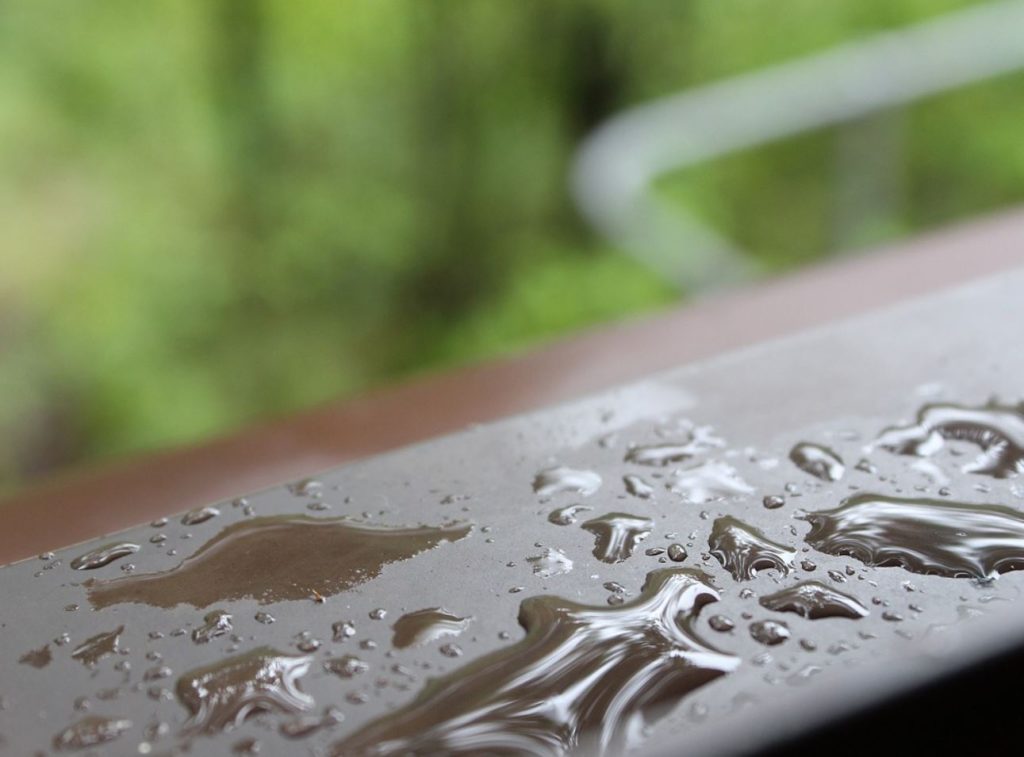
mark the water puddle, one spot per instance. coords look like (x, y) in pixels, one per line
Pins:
(225, 693)
(425, 626)
(927, 536)
(743, 550)
(814, 600)
(587, 677)
(275, 558)
(617, 535)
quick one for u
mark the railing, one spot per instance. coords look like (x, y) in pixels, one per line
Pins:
(617, 165)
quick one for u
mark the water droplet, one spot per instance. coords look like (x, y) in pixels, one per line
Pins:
(342, 630)
(553, 562)
(721, 623)
(769, 632)
(773, 501)
(249, 746)
(561, 479)
(308, 487)
(585, 658)
(104, 555)
(677, 552)
(660, 454)
(921, 535)
(618, 535)
(638, 487)
(265, 618)
(346, 666)
(708, 482)
(424, 626)
(450, 650)
(998, 430)
(566, 516)
(893, 617)
(378, 614)
(157, 673)
(95, 648)
(276, 558)
(743, 551)
(215, 624)
(37, 658)
(199, 515)
(808, 565)
(225, 693)
(815, 600)
(819, 461)
(89, 732)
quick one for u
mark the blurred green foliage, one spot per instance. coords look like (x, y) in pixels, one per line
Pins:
(219, 210)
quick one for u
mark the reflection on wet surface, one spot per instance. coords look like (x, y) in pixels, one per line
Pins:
(276, 558)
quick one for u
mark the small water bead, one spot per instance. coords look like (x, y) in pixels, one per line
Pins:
(553, 562)
(89, 732)
(721, 623)
(836, 576)
(199, 515)
(808, 565)
(677, 552)
(95, 648)
(157, 673)
(264, 617)
(818, 461)
(424, 626)
(708, 482)
(660, 455)
(561, 479)
(246, 747)
(308, 644)
(216, 623)
(654, 551)
(308, 487)
(37, 658)
(892, 617)
(637, 487)
(566, 516)
(808, 646)
(104, 555)
(318, 507)
(368, 644)
(769, 632)
(158, 538)
(159, 523)
(773, 501)
(378, 614)
(450, 650)
(346, 667)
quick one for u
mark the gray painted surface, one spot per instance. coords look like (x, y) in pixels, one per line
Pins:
(838, 386)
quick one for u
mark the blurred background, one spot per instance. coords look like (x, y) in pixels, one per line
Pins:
(219, 211)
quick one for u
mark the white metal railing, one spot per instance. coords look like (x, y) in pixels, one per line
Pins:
(617, 164)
